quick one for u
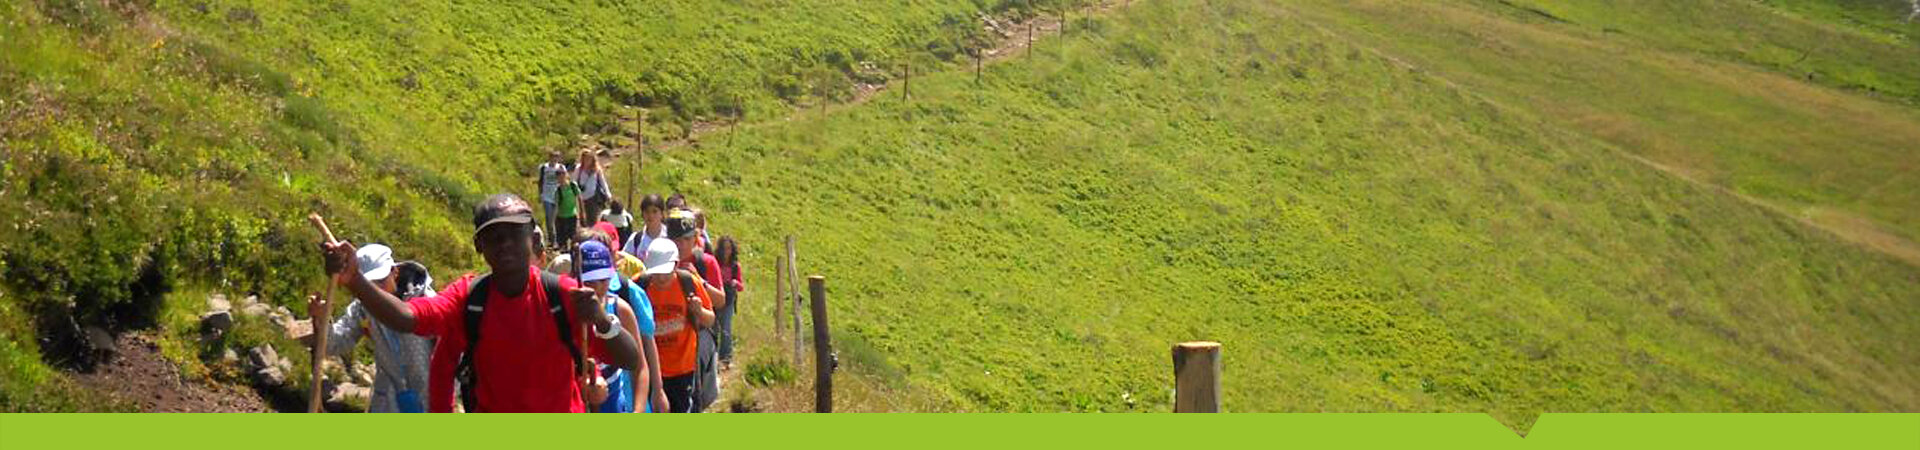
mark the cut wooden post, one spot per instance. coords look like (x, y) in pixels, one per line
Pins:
(824, 362)
(793, 290)
(1196, 377)
(779, 297)
(976, 65)
(739, 112)
(1035, 17)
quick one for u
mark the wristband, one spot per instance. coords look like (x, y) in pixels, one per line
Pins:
(613, 322)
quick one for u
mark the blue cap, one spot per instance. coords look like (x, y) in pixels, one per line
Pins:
(596, 262)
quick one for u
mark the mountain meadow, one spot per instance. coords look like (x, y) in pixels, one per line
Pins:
(1502, 206)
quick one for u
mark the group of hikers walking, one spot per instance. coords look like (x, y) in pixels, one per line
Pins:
(578, 316)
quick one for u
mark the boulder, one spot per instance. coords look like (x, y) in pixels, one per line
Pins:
(255, 310)
(362, 374)
(338, 394)
(100, 342)
(218, 303)
(270, 376)
(300, 330)
(216, 323)
(263, 356)
(228, 356)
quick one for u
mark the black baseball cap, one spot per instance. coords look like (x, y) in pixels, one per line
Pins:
(680, 224)
(501, 208)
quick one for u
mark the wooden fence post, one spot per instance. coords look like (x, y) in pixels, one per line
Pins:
(1196, 377)
(793, 290)
(824, 361)
(779, 297)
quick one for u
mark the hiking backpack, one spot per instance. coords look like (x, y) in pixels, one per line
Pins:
(476, 308)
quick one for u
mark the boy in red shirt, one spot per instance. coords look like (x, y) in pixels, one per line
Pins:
(528, 352)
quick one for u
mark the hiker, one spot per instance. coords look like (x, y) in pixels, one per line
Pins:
(700, 222)
(653, 213)
(693, 257)
(592, 179)
(680, 309)
(624, 388)
(681, 225)
(727, 253)
(551, 173)
(540, 254)
(400, 360)
(568, 195)
(630, 268)
(617, 215)
(517, 326)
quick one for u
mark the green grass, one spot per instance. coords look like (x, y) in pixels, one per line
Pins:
(1715, 89)
(1361, 236)
(155, 144)
(1376, 206)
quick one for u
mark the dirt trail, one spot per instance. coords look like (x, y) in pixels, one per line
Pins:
(138, 374)
(1012, 38)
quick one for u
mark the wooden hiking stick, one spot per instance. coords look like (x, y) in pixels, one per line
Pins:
(586, 367)
(319, 336)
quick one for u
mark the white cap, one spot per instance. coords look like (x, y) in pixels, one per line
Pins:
(661, 254)
(376, 261)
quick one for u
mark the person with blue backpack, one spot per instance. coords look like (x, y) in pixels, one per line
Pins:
(597, 272)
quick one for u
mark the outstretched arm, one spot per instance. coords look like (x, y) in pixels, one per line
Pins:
(386, 308)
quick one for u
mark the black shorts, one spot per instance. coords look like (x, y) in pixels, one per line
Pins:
(679, 392)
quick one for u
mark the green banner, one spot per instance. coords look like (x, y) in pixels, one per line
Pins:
(1054, 431)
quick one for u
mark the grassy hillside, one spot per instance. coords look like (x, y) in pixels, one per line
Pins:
(154, 146)
(1811, 115)
(1362, 236)
(1470, 205)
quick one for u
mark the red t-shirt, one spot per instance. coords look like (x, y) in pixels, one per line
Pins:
(711, 270)
(520, 363)
(729, 275)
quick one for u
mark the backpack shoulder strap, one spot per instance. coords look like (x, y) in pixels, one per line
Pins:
(700, 265)
(687, 285)
(477, 293)
(561, 324)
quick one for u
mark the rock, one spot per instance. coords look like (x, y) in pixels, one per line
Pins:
(216, 323)
(270, 376)
(99, 341)
(338, 394)
(228, 356)
(255, 310)
(300, 330)
(249, 300)
(280, 320)
(263, 356)
(363, 374)
(218, 303)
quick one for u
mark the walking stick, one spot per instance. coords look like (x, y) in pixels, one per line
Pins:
(586, 367)
(319, 336)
